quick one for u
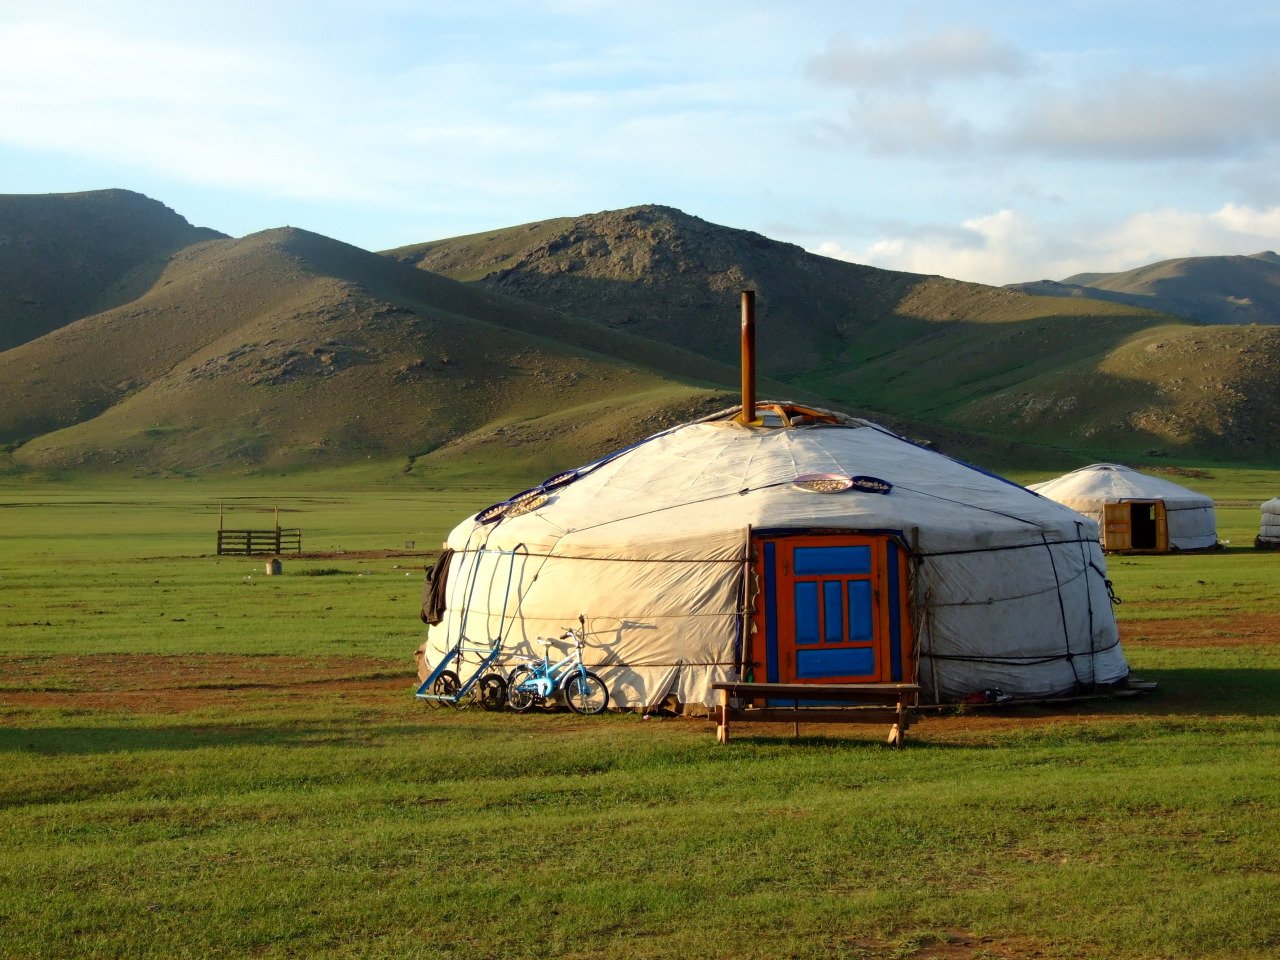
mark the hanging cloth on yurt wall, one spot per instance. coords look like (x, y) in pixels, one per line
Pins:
(433, 589)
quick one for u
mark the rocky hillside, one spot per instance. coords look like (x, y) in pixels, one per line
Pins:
(66, 255)
(550, 343)
(665, 275)
(287, 349)
(1232, 290)
(1071, 373)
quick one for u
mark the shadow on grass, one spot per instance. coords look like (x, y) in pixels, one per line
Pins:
(1190, 693)
(1209, 692)
(90, 740)
(1185, 692)
(73, 741)
(1198, 693)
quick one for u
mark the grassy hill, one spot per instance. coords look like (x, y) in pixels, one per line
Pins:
(665, 275)
(1234, 290)
(550, 343)
(65, 255)
(1069, 373)
(287, 349)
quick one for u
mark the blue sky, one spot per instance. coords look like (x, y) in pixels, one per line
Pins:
(988, 141)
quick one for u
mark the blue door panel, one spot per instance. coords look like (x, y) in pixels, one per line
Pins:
(832, 612)
(806, 599)
(819, 560)
(860, 625)
(847, 662)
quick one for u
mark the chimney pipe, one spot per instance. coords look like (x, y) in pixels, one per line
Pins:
(748, 414)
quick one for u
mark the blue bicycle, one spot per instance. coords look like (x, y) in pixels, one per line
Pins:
(536, 682)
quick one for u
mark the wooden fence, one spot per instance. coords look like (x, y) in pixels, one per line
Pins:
(253, 542)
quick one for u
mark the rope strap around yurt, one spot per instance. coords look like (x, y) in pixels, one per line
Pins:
(1088, 599)
(1014, 546)
(1062, 611)
(1016, 596)
(1056, 587)
(1111, 592)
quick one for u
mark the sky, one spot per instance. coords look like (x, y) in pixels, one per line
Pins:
(989, 141)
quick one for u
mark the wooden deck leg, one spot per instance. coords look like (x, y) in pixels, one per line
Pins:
(722, 728)
(898, 732)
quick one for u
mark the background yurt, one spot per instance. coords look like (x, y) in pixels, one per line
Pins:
(1269, 533)
(1136, 512)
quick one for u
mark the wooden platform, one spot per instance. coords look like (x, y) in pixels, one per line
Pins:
(893, 703)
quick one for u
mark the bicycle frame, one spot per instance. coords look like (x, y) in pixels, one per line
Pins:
(550, 677)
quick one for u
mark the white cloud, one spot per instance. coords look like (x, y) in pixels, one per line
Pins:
(1248, 221)
(1152, 115)
(967, 89)
(920, 60)
(901, 126)
(1010, 247)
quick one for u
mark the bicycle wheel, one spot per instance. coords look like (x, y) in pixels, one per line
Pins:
(491, 691)
(520, 690)
(586, 694)
(446, 685)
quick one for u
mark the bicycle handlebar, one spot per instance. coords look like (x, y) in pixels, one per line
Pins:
(569, 634)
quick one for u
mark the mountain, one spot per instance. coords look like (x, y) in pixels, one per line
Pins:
(1231, 290)
(554, 342)
(1072, 373)
(66, 255)
(665, 275)
(286, 349)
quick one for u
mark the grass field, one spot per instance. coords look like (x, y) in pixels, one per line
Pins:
(200, 761)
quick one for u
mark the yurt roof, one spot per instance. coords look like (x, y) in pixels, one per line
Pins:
(697, 487)
(1272, 505)
(1099, 483)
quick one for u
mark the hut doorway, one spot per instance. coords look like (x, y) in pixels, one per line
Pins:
(831, 608)
(1138, 525)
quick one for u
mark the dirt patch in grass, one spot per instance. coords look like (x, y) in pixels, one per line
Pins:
(365, 555)
(962, 945)
(1256, 629)
(148, 683)
(177, 684)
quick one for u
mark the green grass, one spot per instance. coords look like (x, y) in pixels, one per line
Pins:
(130, 568)
(309, 820)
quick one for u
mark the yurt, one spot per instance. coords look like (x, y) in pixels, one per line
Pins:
(1269, 535)
(782, 543)
(1136, 513)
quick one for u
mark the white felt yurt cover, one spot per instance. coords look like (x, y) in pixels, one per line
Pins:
(1269, 534)
(1190, 517)
(1008, 588)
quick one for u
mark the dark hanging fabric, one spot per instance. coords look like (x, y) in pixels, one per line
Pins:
(433, 589)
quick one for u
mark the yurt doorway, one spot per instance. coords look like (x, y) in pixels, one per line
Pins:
(1136, 525)
(831, 608)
